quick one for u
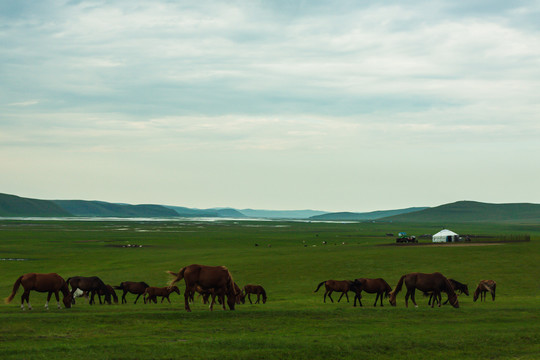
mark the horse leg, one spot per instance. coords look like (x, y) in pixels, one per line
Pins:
(124, 301)
(413, 300)
(222, 299)
(26, 296)
(258, 298)
(186, 298)
(48, 298)
(249, 298)
(330, 295)
(407, 298)
(57, 299)
(377, 298)
(346, 296)
(92, 294)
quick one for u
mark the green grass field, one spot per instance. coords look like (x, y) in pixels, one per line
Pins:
(289, 261)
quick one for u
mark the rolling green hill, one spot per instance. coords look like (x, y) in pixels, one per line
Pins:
(104, 209)
(373, 215)
(472, 211)
(11, 205)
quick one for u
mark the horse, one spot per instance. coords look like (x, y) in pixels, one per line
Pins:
(91, 284)
(456, 285)
(343, 286)
(435, 282)
(51, 283)
(217, 278)
(483, 287)
(372, 286)
(256, 290)
(79, 293)
(132, 287)
(151, 293)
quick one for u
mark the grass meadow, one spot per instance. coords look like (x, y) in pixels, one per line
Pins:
(289, 261)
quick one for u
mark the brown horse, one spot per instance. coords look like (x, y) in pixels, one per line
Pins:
(51, 283)
(483, 288)
(151, 293)
(91, 284)
(110, 289)
(458, 288)
(206, 293)
(342, 286)
(256, 290)
(372, 286)
(217, 278)
(132, 287)
(435, 283)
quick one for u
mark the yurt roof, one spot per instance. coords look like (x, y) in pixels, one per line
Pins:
(445, 232)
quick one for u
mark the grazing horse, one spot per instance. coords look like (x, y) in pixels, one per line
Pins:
(79, 293)
(342, 286)
(151, 293)
(217, 278)
(372, 286)
(51, 283)
(435, 282)
(457, 286)
(91, 284)
(256, 290)
(132, 287)
(483, 287)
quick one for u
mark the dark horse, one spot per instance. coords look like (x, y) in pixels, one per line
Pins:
(215, 278)
(51, 283)
(132, 287)
(483, 288)
(110, 289)
(456, 285)
(164, 292)
(91, 284)
(256, 290)
(435, 283)
(372, 286)
(342, 286)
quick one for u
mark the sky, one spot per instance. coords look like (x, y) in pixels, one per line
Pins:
(282, 105)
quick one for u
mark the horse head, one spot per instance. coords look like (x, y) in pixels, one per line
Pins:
(453, 300)
(67, 300)
(175, 289)
(465, 289)
(392, 299)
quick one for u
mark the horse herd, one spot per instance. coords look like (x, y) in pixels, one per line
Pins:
(209, 281)
(431, 285)
(217, 282)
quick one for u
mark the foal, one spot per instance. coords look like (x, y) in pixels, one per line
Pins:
(151, 293)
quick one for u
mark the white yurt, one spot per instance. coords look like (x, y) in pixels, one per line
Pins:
(445, 236)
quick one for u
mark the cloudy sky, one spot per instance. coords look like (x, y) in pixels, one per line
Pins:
(335, 106)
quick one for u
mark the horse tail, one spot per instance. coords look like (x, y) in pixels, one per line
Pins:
(119, 287)
(394, 293)
(318, 287)
(15, 288)
(177, 276)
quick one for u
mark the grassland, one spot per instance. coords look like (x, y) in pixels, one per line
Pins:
(289, 261)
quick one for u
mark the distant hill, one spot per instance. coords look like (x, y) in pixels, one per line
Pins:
(105, 209)
(281, 214)
(217, 212)
(373, 215)
(471, 211)
(13, 206)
